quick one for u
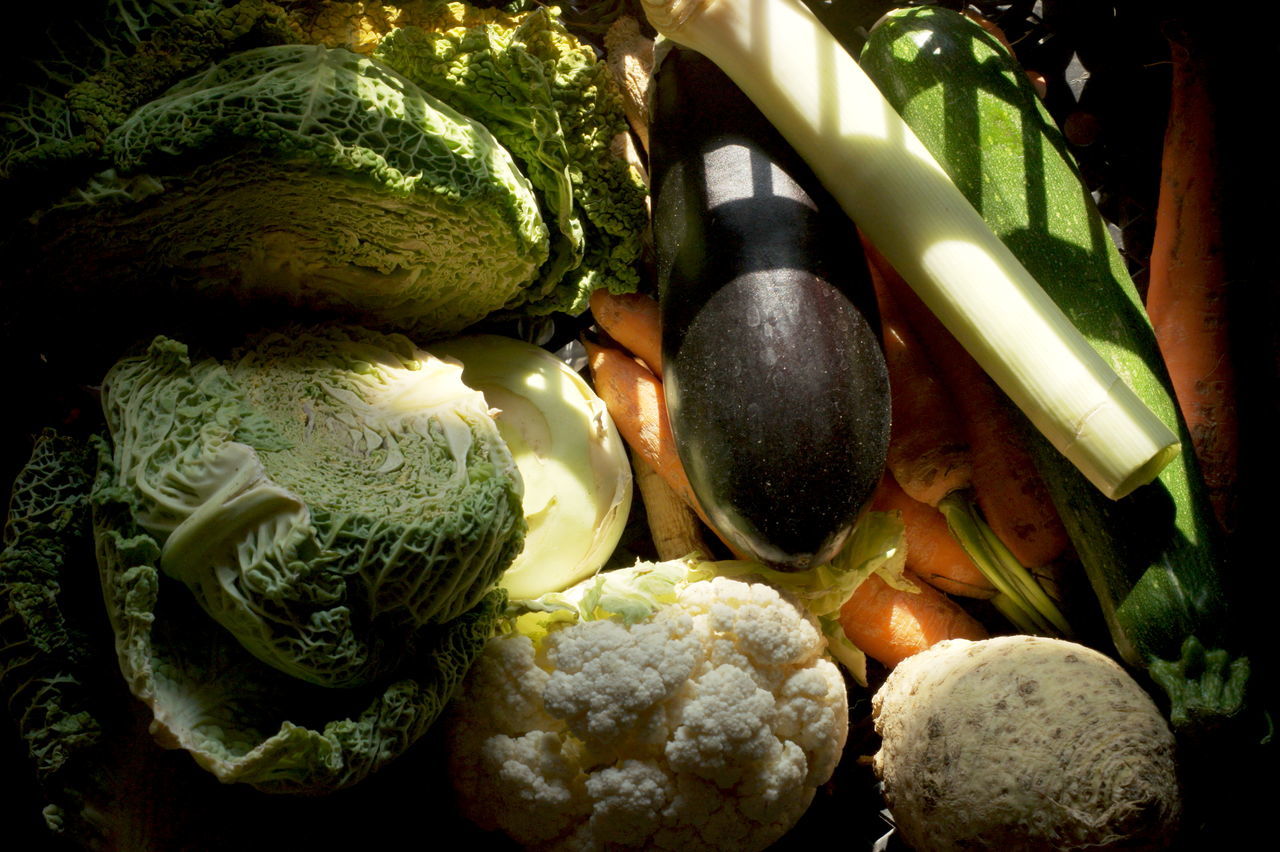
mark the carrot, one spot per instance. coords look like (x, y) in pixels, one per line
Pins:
(1005, 482)
(890, 625)
(933, 553)
(929, 452)
(975, 554)
(636, 403)
(1186, 292)
(633, 320)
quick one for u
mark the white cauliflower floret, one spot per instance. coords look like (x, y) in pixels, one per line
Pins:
(725, 729)
(709, 724)
(611, 684)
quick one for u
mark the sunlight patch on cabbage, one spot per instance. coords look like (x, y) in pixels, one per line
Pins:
(549, 99)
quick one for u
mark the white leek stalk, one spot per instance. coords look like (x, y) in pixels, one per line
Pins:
(813, 91)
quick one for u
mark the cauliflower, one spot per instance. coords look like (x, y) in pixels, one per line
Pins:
(650, 708)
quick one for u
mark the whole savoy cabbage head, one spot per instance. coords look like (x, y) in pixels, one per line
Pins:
(297, 547)
(446, 165)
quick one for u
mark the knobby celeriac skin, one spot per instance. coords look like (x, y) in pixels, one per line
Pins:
(1024, 743)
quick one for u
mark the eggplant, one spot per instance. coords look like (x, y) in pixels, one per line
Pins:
(775, 378)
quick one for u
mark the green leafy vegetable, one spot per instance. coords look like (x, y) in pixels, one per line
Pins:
(313, 177)
(95, 63)
(255, 152)
(553, 104)
(324, 495)
(297, 548)
(44, 649)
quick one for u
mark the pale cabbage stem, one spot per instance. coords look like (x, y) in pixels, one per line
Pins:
(871, 161)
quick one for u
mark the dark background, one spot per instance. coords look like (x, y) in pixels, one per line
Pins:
(1106, 64)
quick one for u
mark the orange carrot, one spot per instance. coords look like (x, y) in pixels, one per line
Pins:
(889, 625)
(1186, 293)
(1006, 484)
(928, 449)
(933, 553)
(633, 320)
(636, 403)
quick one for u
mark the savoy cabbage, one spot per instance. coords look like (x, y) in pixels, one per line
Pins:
(297, 547)
(312, 176)
(419, 166)
(324, 495)
(546, 98)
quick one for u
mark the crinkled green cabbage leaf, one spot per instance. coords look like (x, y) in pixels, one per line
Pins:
(82, 67)
(246, 722)
(549, 99)
(325, 495)
(305, 176)
(237, 717)
(44, 649)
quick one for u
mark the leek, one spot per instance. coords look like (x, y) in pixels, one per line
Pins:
(813, 91)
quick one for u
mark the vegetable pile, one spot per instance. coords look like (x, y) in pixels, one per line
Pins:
(665, 424)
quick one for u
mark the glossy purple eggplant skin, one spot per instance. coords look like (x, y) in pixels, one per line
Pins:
(774, 374)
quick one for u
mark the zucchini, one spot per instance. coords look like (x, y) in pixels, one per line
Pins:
(775, 381)
(1153, 558)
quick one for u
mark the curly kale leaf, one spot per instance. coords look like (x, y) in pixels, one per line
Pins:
(97, 64)
(45, 652)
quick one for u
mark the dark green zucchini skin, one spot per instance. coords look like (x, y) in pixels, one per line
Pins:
(1154, 558)
(775, 380)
